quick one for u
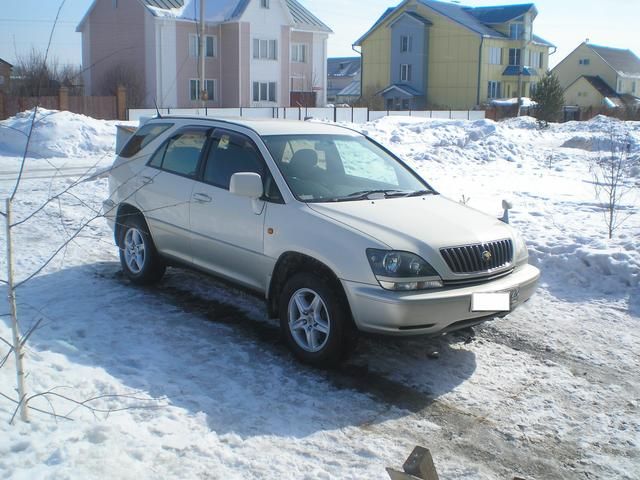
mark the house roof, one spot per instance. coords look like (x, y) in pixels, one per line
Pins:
(501, 13)
(406, 89)
(477, 19)
(600, 85)
(351, 90)
(514, 70)
(303, 17)
(621, 60)
(6, 63)
(343, 66)
(414, 16)
(219, 11)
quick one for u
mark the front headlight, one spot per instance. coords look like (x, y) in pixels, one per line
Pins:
(402, 270)
(522, 254)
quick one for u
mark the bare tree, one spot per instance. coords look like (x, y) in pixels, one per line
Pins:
(127, 76)
(612, 172)
(17, 344)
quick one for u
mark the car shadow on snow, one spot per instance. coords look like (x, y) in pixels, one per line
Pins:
(207, 347)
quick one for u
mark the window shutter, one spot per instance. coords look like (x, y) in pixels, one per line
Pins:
(256, 48)
(256, 92)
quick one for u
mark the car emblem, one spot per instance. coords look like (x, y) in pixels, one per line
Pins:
(487, 256)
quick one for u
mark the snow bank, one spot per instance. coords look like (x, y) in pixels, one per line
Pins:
(57, 134)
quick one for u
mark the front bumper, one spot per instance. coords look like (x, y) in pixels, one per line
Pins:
(431, 312)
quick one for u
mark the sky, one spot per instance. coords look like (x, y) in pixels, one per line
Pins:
(566, 23)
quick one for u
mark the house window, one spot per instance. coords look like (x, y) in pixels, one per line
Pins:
(633, 87)
(495, 56)
(405, 72)
(406, 42)
(1, 79)
(494, 90)
(264, 3)
(194, 90)
(210, 46)
(299, 53)
(584, 61)
(516, 31)
(405, 104)
(264, 91)
(514, 56)
(537, 59)
(265, 49)
(620, 85)
(532, 89)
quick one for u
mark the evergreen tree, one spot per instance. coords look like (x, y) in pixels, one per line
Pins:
(550, 99)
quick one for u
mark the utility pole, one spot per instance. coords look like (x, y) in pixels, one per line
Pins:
(203, 88)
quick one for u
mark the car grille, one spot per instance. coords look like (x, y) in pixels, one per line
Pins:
(481, 257)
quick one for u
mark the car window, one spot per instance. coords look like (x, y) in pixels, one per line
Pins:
(329, 167)
(231, 153)
(142, 137)
(181, 153)
(359, 160)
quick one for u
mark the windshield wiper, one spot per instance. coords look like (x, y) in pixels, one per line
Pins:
(364, 194)
(419, 193)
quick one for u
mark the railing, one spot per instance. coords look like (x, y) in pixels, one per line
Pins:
(332, 114)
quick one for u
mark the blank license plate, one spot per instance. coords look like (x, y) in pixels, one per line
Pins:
(490, 302)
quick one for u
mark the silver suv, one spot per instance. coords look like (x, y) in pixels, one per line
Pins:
(332, 229)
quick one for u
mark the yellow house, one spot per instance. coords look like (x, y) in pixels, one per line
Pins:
(596, 76)
(425, 53)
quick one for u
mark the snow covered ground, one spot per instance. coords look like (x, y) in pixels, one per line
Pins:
(208, 390)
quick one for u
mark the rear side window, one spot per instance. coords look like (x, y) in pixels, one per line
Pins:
(143, 136)
(181, 153)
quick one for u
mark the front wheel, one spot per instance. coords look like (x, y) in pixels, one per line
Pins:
(315, 321)
(138, 256)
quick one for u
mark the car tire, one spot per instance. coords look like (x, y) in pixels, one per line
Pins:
(138, 255)
(315, 321)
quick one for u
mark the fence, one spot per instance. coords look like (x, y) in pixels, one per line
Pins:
(332, 114)
(103, 107)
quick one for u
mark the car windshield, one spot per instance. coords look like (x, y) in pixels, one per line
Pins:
(335, 168)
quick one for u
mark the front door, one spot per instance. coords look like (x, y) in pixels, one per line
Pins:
(228, 230)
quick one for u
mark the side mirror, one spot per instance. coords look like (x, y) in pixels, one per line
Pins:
(246, 184)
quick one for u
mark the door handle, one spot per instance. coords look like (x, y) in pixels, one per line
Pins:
(201, 198)
(146, 180)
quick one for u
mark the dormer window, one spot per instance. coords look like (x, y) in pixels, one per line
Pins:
(264, 3)
(516, 31)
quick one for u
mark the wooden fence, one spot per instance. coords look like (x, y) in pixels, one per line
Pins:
(104, 107)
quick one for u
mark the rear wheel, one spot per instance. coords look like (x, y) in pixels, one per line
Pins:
(315, 321)
(138, 256)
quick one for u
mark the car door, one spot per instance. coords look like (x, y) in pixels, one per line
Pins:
(165, 189)
(227, 229)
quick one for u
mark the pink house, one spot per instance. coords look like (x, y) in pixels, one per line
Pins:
(257, 52)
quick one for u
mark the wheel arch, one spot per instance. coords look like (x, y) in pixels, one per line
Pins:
(290, 263)
(125, 210)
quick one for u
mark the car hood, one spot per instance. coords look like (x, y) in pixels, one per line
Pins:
(420, 225)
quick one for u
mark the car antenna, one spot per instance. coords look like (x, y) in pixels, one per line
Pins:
(157, 109)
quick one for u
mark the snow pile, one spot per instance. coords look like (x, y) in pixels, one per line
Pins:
(56, 134)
